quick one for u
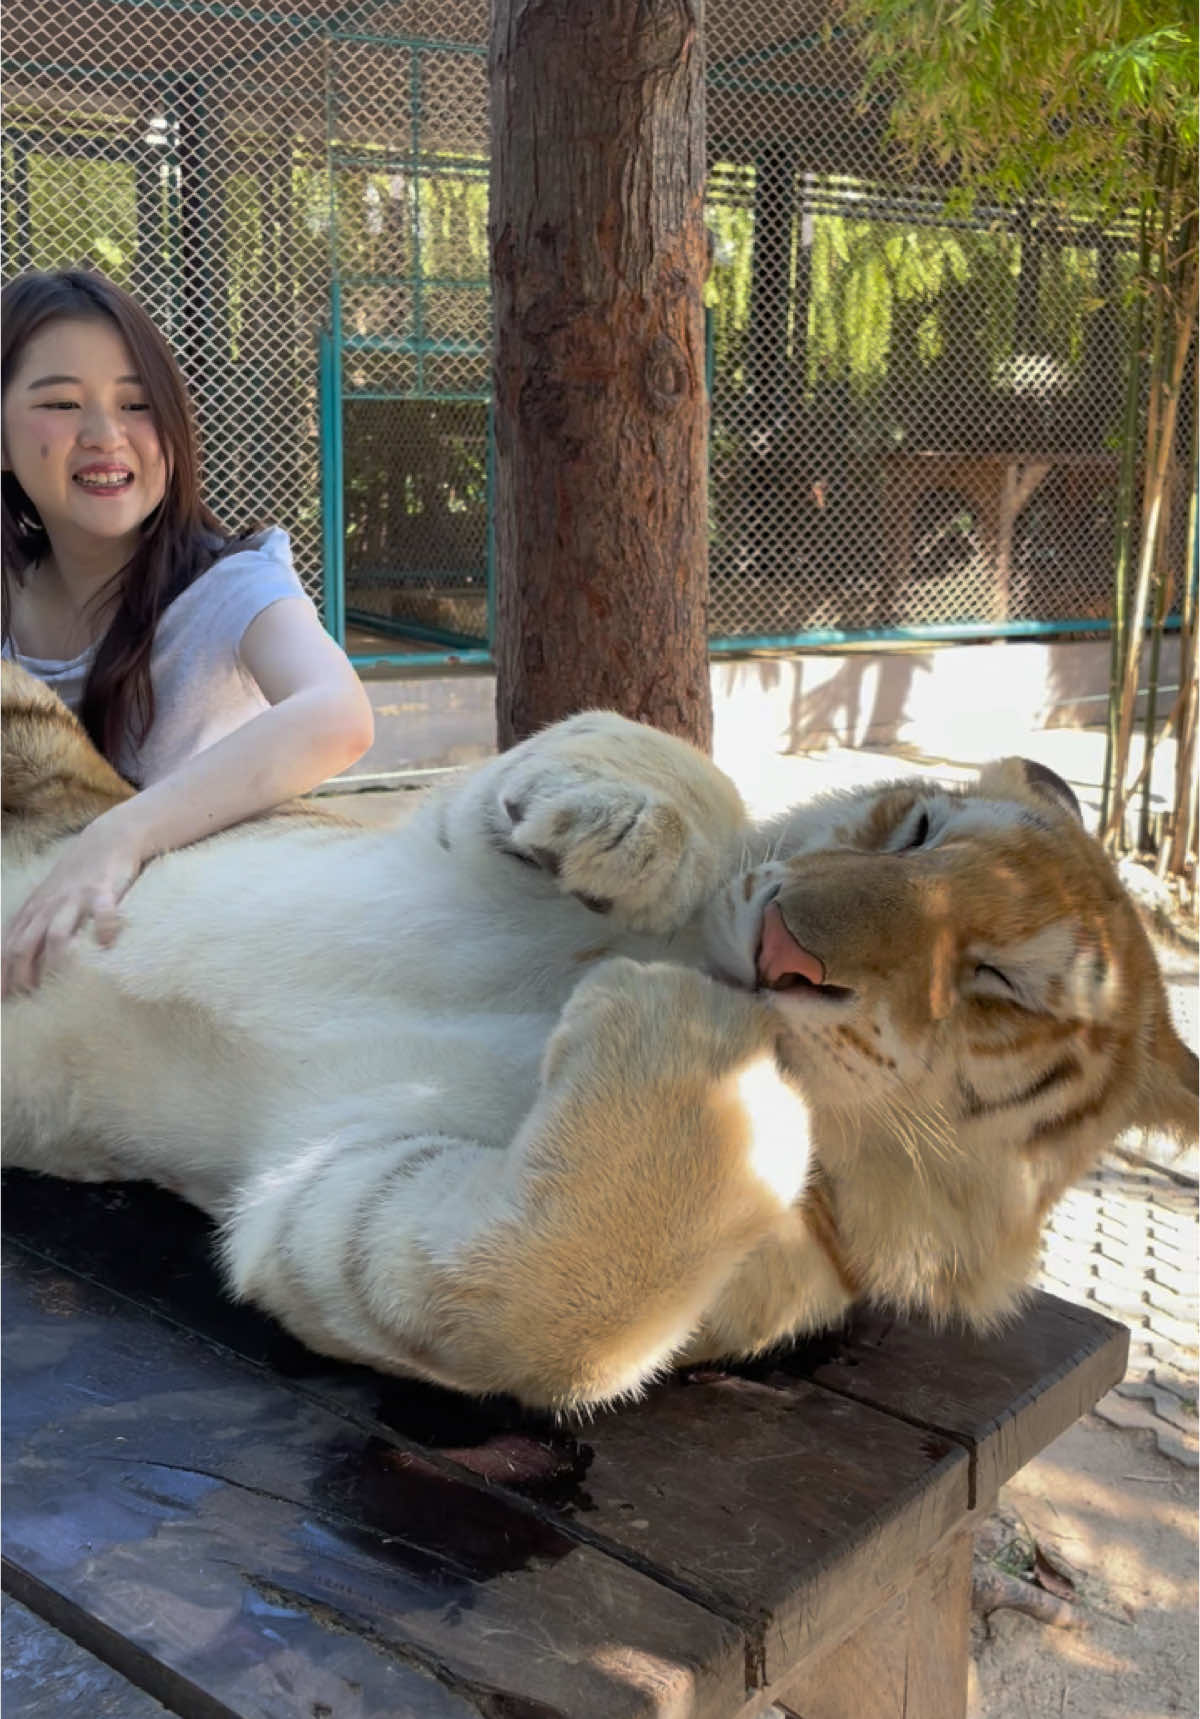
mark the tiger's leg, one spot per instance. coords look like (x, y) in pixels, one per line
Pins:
(797, 1280)
(627, 819)
(568, 1269)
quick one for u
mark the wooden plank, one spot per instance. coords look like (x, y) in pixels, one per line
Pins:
(939, 1634)
(48, 1676)
(234, 1548)
(909, 1661)
(1004, 1397)
(779, 1505)
(146, 1244)
(789, 1505)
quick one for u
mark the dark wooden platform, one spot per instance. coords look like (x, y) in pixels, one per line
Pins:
(203, 1516)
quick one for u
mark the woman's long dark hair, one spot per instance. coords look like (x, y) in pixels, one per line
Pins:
(177, 540)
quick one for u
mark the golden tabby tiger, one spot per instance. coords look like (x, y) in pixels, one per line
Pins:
(578, 1074)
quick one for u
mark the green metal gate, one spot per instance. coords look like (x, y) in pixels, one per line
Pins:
(405, 371)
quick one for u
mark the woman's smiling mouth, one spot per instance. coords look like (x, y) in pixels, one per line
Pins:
(104, 480)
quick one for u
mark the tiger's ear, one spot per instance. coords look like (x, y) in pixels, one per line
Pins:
(1168, 1095)
(1025, 776)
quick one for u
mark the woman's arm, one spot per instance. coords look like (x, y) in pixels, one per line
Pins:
(319, 722)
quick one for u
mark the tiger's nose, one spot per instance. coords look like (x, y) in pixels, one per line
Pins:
(781, 959)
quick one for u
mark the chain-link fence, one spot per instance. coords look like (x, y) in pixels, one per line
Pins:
(182, 149)
(408, 120)
(231, 165)
(915, 413)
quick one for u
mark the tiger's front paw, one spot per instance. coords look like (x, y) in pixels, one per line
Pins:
(642, 1022)
(616, 847)
(676, 1075)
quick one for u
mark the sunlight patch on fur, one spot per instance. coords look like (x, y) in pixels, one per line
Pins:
(780, 1123)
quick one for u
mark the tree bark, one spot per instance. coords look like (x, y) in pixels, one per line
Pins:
(599, 256)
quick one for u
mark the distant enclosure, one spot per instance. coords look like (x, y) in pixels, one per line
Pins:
(914, 414)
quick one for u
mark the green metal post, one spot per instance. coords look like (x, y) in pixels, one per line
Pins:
(333, 519)
(418, 179)
(490, 482)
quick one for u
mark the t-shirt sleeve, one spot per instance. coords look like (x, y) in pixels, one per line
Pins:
(243, 584)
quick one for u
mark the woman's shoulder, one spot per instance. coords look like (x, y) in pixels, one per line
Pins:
(263, 560)
(246, 576)
(266, 553)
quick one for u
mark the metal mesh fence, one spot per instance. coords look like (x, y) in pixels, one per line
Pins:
(229, 164)
(185, 155)
(914, 414)
(408, 152)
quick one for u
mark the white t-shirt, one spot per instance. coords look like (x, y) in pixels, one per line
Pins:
(201, 691)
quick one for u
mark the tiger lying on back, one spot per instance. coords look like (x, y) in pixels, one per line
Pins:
(577, 1074)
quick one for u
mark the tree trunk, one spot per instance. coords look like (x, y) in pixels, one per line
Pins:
(598, 261)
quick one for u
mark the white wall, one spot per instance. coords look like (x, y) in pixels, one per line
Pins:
(969, 701)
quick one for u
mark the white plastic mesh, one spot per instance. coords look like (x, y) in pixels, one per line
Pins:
(915, 417)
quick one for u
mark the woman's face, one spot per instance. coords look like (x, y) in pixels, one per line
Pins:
(80, 439)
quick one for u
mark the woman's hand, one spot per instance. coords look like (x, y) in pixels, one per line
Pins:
(92, 873)
(319, 722)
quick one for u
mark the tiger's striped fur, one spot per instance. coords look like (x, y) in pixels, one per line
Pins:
(498, 1096)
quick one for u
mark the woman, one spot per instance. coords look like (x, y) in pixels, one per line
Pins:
(194, 659)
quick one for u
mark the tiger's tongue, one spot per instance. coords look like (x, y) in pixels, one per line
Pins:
(781, 957)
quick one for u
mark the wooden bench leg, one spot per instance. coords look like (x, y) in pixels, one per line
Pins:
(908, 1660)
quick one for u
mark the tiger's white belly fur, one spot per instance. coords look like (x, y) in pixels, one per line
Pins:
(259, 994)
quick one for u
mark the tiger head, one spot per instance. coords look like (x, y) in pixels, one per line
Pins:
(971, 1005)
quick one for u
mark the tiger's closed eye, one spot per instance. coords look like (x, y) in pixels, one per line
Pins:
(919, 836)
(986, 970)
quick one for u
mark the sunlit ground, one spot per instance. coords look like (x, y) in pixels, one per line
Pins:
(1123, 1518)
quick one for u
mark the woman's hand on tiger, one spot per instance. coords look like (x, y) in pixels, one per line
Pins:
(95, 870)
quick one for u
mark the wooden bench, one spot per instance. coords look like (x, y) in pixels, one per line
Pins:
(201, 1513)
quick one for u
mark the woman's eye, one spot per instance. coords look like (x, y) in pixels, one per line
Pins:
(57, 405)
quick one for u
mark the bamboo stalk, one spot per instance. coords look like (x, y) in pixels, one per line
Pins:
(1163, 585)
(1151, 522)
(1159, 359)
(1142, 779)
(1176, 256)
(1180, 847)
(1124, 537)
(1150, 723)
(1182, 839)
(1179, 850)
(1132, 642)
(1171, 274)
